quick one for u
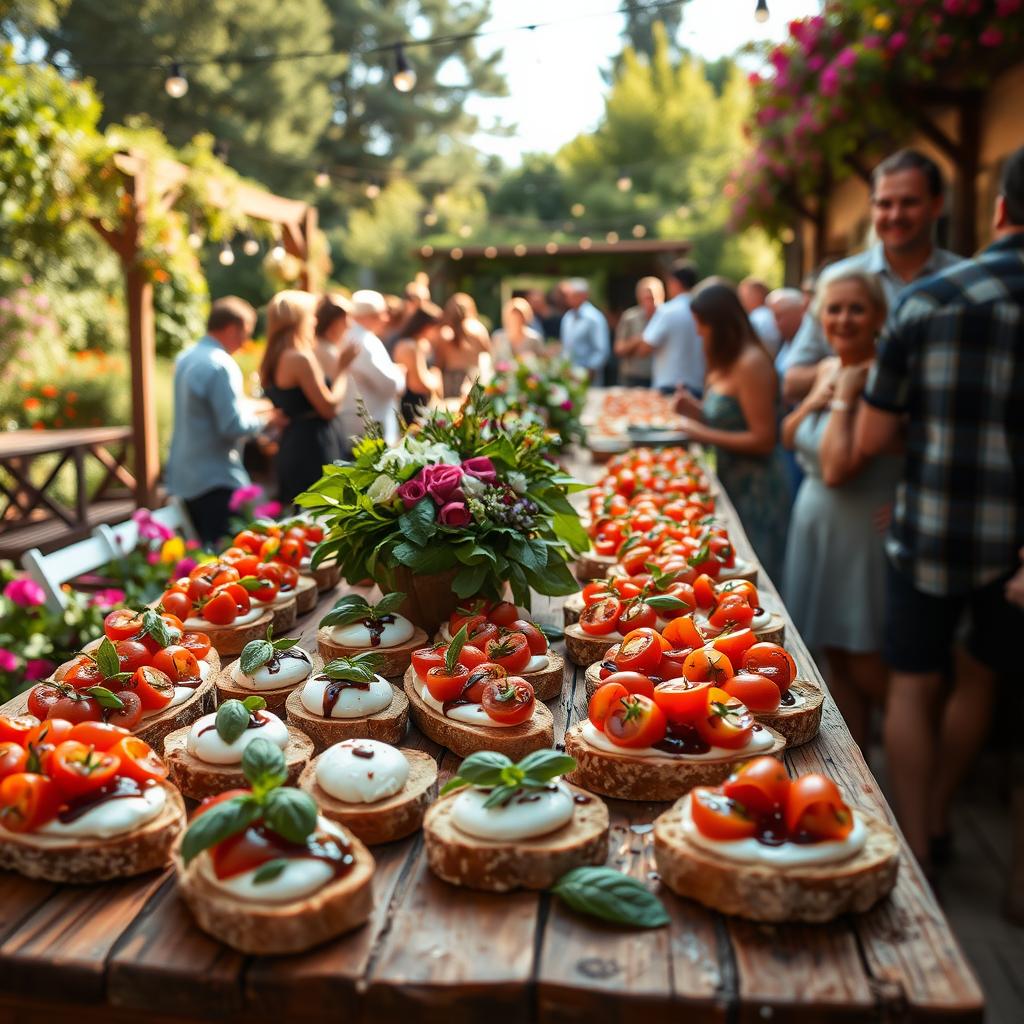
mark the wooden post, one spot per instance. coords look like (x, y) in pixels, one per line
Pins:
(965, 182)
(310, 279)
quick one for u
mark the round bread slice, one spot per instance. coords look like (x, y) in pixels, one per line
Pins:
(774, 632)
(396, 659)
(384, 821)
(285, 615)
(811, 894)
(798, 724)
(388, 726)
(572, 609)
(306, 595)
(79, 859)
(227, 687)
(229, 640)
(277, 928)
(198, 779)
(547, 682)
(514, 741)
(628, 777)
(500, 866)
(592, 566)
(584, 649)
(154, 728)
(327, 575)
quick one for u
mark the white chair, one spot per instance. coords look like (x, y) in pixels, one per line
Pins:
(51, 570)
(124, 536)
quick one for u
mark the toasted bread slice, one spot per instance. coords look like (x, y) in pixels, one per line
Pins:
(547, 682)
(514, 741)
(389, 819)
(500, 866)
(228, 688)
(592, 566)
(306, 595)
(327, 576)
(272, 928)
(572, 609)
(388, 726)
(396, 659)
(229, 640)
(774, 632)
(766, 893)
(79, 859)
(285, 615)
(584, 649)
(198, 780)
(628, 777)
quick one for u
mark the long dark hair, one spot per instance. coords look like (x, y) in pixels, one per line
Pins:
(715, 303)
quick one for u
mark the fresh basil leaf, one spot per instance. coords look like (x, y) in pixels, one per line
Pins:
(286, 643)
(361, 668)
(269, 871)
(106, 659)
(250, 584)
(350, 608)
(255, 654)
(666, 602)
(153, 625)
(105, 698)
(484, 768)
(119, 678)
(612, 896)
(500, 796)
(451, 657)
(232, 720)
(511, 775)
(217, 824)
(388, 605)
(455, 782)
(254, 703)
(630, 542)
(418, 522)
(263, 764)
(290, 813)
(545, 765)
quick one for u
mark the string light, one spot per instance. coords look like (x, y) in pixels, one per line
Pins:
(578, 209)
(787, 236)
(430, 218)
(585, 242)
(551, 248)
(277, 254)
(176, 84)
(639, 231)
(520, 249)
(761, 12)
(426, 251)
(195, 239)
(404, 78)
(490, 252)
(456, 253)
(226, 256)
(625, 183)
(612, 237)
(372, 190)
(250, 246)
(322, 179)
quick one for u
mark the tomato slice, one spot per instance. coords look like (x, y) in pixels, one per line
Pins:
(640, 651)
(704, 591)
(602, 618)
(726, 722)
(759, 694)
(509, 700)
(635, 722)
(597, 590)
(78, 769)
(28, 800)
(139, 761)
(816, 809)
(101, 735)
(718, 816)
(760, 785)
(681, 700)
(15, 728)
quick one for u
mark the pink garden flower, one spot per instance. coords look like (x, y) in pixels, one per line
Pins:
(268, 510)
(183, 568)
(109, 598)
(38, 668)
(25, 592)
(8, 660)
(454, 514)
(412, 492)
(244, 495)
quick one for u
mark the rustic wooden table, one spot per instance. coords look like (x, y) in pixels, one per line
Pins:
(117, 952)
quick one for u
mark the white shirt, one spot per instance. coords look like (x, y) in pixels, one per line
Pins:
(586, 340)
(678, 350)
(762, 320)
(374, 378)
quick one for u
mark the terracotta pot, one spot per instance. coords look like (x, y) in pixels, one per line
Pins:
(429, 600)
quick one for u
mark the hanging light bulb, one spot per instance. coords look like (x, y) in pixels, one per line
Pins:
(250, 246)
(456, 253)
(639, 231)
(176, 84)
(195, 239)
(372, 190)
(226, 256)
(586, 242)
(625, 183)
(577, 209)
(520, 249)
(322, 179)
(551, 248)
(277, 253)
(761, 12)
(404, 78)
(430, 218)
(612, 237)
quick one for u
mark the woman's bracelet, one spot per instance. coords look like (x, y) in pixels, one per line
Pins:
(840, 405)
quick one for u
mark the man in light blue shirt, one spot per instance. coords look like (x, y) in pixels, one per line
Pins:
(586, 340)
(205, 465)
(907, 197)
(672, 336)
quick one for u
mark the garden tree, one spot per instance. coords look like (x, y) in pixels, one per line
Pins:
(267, 113)
(22, 19)
(640, 34)
(534, 189)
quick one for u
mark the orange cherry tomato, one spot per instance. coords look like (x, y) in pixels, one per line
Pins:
(605, 698)
(14, 728)
(707, 664)
(101, 735)
(704, 591)
(291, 552)
(444, 685)
(759, 694)
(681, 700)
(122, 624)
(640, 651)
(634, 682)
(178, 663)
(197, 643)
(78, 769)
(744, 588)
(177, 603)
(683, 632)
(717, 816)
(509, 700)
(221, 609)
(139, 761)
(771, 661)
(726, 722)
(731, 612)
(760, 785)
(816, 809)
(13, 758)
(635, 721)
(27, 801)
(248, 540)
(153, 687)
(734, 643)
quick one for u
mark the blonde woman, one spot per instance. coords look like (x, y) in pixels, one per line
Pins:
(834, 579)
(294, 381)
(464, 349)
(515, 338)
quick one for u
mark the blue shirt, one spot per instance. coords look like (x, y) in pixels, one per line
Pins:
(678, 350)
(586, 340)
(209, 421)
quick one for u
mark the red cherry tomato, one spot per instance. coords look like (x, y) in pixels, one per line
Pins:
(726, 722)
(78, 769)
(13, 758)
(197, 643)
(759, 694)
(771, 661)
(816, 809)
(734, 643)
(635, 722)
(731, 613)
(444, 685)
(704, 591)
(504, 613)
(535, 637)
(139, 760)
(718, 816)
(511, 651)
(509, 700)
(221, 609)
(177, 603)
(14, 728)
(77, 707)
(760, 785)
(637, 614)
(602, 618)
(131, 655)
(101, 735)
(640, 651)
(426, 658)
(598, 590)
(27, 801)
(634, 682)
(129, 714)
(122, 624)
(471, 656)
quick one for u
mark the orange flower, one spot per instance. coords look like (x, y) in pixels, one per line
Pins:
(69, 413)
(161, 276)
(48, 391)
(30, 403)
(71, 396)
(58, 422)
(26, 385)
(38, 425)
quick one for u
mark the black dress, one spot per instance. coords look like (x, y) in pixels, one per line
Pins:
(307, 443)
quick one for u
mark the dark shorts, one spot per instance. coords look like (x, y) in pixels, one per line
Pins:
(210, 514)
(921, 629)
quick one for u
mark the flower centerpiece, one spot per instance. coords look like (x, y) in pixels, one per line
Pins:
(548, 390)
(466, 504)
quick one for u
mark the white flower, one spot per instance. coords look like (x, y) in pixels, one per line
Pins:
(438, 453)
(472, 487)
(397, 459)
(382, 490)
(518, 483)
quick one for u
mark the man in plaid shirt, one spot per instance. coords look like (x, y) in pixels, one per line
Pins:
(950, 374)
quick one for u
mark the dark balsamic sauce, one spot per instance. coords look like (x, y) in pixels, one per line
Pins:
(682, 739)
(375, 626)
(258, 845)
(363, 752)
(787, 700)
(273, 666)
(579, 798)
(334, 690)
(119, 788)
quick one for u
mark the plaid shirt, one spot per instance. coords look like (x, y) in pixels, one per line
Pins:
(952, 358)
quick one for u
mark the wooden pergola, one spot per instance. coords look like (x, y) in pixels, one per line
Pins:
(147, 179)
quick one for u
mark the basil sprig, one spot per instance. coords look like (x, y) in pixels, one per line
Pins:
(612, 896)
(233, 717)
(451, 656)
(154, 625)
(489, 770)
(289, 812)
(665, 602)
(360, 668)
(105, 698)
(256, 653)
(354, 608)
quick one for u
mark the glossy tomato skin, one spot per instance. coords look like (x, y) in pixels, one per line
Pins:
(13, 758)
(153, 688)
(773, 662)
(79, 769)
(634, 682)
(28, 800)
(178, 663)
(719, 817)
(122, 624)
(635, 722)
(444, 685)
(761, 785)
(509, 700)
(177, 603)
(682, 701)
(511, 651)
(471, 656)
(197, 643)
(139, 761)
(707, 664)
(130, 714)
(603, 701)
(759, 694)
(504, 613)
(101, 735)
(14, 728)
(601, 618)
(734, 643)
(731, 612)
(426, 658)
(597, 590)
(640, 651)
(815, 808)
(220, 610)
(77, 708)
(535, 637)
(637, 614)
(682, 632)
(131, 655)
(726, 723)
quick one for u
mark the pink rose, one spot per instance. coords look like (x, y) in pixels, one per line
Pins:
(412, 492)
(8, 660)
(991, 37)
(454, 514)
(443, 483)
(25, 592)
(39, 668)
(482, 468)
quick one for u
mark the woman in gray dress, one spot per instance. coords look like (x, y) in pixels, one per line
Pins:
(834, 579)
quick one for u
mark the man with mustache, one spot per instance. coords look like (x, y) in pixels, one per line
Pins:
(906, 201)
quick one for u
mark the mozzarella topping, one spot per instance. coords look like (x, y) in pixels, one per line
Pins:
(357, 634)
(277, 673)
(110, 818)
(740, 568)
(352, 702)
(531, 812)
(205, 668)
(206, 744)
(785, 855)
(204, 625)
(471, 714)
(761, 740)
(181, 694)
(362, 771)
(537, 663)
(282, 598)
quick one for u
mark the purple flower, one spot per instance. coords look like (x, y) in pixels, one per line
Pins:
(412, 492)
(8, 660)
(482, 468)
(242, 496)
(38, 668)
(443, 483)
(109, 598)
(454, 514)
(25, 592)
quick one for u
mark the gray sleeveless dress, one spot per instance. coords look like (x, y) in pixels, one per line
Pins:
(834, 579)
